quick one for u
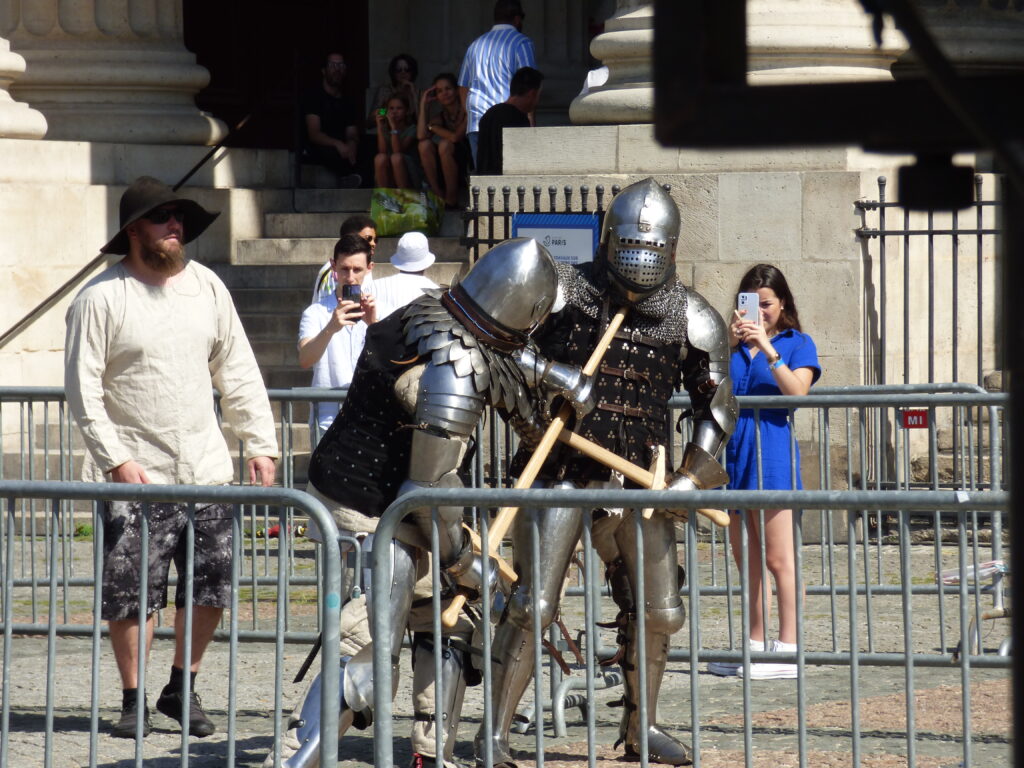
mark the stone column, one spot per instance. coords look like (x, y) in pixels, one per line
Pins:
(17, 121)
(979, 38)
(788, 41)
(109, 70)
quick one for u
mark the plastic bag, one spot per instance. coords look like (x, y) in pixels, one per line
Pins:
(397, 211)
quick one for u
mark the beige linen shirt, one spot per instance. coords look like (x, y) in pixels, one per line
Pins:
(140, 364)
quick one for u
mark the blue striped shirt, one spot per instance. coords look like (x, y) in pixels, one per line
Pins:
(488, 66)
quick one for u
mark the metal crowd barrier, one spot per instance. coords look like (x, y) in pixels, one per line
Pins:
(850, 438)
(64, 680)
(850, 613)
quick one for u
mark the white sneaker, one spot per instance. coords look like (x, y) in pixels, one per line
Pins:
(771, 670)
(731, 668)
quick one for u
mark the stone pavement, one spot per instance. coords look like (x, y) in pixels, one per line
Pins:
(883, 742)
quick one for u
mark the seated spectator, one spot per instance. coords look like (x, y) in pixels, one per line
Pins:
(411, 259)
(441, 130)
(356, 224)
(396, 163)
(332, 130)
(402, 73)
(332, 331)
(516, 112)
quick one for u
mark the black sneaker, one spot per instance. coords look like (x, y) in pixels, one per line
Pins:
(170, 704)
(125, 727)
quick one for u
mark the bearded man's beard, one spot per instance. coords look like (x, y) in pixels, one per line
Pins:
(166, 258)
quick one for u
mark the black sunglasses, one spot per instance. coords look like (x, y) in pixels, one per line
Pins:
(163, 215)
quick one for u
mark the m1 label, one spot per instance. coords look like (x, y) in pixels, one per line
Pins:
(914, 418)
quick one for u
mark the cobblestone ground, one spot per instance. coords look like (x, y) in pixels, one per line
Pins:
(775, 714)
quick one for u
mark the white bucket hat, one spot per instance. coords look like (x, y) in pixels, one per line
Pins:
(413, 253)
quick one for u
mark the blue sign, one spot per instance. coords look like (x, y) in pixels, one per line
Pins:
(570, 237)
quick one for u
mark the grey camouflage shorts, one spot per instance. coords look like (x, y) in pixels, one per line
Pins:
(122, 551)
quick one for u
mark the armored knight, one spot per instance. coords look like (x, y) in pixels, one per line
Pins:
(671, 335)
(419, 390)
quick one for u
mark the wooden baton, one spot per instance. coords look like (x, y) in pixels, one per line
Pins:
(637, 474)
(507, 515)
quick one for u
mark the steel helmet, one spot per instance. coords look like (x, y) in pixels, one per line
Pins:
(513, 285)
(638, 240)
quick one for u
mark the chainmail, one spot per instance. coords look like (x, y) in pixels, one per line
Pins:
(434, 332)
(662, 315)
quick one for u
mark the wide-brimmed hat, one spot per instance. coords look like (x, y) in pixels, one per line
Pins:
(145, 194)
(413, 253)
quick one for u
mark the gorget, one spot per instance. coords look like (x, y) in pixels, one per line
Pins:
(434, 332)
(662, 315)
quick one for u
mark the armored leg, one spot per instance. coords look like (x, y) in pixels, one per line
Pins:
(512, 649)
(454, 669)
(448, 410)
(300, 746)
(664, 614)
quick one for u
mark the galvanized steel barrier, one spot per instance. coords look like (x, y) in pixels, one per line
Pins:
(65, 680)
(856, 435)
(845, 645)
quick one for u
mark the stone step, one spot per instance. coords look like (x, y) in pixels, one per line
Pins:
(332, 200)
(327, 224)
(280, 276)
(946, 464)
(316, 250)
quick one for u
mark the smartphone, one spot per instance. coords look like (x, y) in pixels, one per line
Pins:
(351, 292)
(382, 112)
(751, 303)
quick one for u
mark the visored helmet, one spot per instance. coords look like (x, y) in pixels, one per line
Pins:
(513, 286)
(641, 229)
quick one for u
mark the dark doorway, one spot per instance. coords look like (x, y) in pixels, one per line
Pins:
(262, 53)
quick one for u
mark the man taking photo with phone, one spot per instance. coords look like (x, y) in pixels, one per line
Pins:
(332, 330)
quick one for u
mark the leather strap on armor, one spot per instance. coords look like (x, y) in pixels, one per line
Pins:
(630, 374)
(626, 410)
(639, 338)
(483, 328)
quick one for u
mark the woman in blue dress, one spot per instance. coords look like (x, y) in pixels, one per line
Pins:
(770, 356)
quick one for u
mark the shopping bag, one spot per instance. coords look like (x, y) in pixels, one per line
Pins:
(397, 211)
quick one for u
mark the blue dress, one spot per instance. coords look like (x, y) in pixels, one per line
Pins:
(753, 377)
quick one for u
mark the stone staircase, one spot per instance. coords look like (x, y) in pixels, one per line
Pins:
(271, 277)
(271, 280)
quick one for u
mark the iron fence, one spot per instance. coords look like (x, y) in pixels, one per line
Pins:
(932, 308)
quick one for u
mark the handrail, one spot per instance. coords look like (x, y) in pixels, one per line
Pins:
(46, 304)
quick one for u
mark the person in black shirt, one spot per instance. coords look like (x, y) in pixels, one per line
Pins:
(332, 133)
(516, 112)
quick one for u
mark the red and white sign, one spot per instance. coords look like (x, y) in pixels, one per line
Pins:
(914, 418)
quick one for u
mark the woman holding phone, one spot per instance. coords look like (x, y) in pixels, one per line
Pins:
(770, 356)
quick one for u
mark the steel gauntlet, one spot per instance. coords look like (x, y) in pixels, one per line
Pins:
(569, 381)
(466, 571)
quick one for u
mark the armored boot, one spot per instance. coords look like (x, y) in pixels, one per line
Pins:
(512, 655)
(661, 746)
(300, 744)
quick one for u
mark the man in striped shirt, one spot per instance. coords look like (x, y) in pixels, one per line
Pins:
(490, 62)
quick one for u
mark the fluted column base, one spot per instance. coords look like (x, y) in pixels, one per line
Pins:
(112, 72)
(789, 41)
(17, 120)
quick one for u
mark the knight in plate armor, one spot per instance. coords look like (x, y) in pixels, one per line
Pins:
(671, 336)
(419, 390)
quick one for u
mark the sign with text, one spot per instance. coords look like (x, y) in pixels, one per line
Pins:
(914, 418)
(570, 237)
